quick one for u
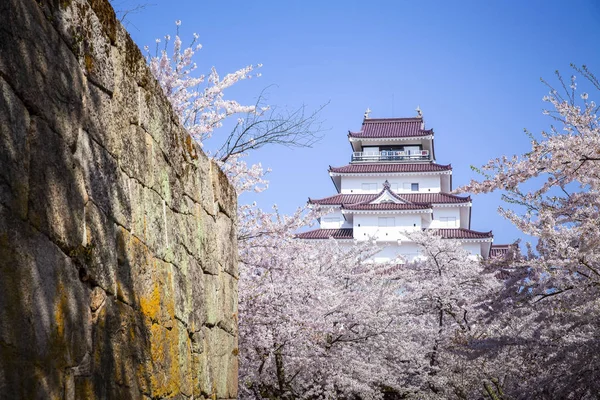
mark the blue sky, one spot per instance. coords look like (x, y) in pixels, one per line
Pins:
(473, 67)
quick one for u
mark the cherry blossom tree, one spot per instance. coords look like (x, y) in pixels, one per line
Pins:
(323, 322)
(441, 301)
(314, 313)
(543, 340)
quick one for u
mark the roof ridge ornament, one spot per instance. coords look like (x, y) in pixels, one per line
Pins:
(419, 112)
(386, 185)
(367, 112)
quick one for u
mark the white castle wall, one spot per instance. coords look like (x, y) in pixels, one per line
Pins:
(366, 226)
(427, 183)
(440, 213)
(334, 220)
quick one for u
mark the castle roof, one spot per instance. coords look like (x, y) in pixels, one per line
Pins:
(462, 233)
(373, 128)
(389, 168)
(347, 233)
(386, 206)
(430, 198)
(326, 234)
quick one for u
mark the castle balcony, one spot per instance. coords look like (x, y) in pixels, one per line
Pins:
(391, 156)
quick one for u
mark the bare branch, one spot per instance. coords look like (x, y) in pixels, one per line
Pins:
(296, 128)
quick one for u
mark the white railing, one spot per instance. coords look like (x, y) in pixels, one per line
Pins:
(390, 155)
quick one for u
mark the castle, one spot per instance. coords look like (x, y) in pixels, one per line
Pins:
(392, 186)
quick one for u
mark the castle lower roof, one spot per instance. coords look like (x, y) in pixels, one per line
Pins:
(430, 198)
(386, 206)
(389, 168)
(462, 233)
(347, 233)
(391, 128)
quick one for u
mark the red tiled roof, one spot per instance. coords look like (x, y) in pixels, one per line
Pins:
(340, 199)
(386, 206)
(461, 233)
(345, 233)
(383, 168)
(435, 198)
(391, 128)
(432, 198)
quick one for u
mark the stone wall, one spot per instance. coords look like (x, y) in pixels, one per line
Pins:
(118, 273)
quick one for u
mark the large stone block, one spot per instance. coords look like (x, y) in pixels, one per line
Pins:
(188, 230)
(105, 183)
(139, 226)
(227, 245)
(154, 288)
(224, 193)
(183, 268)
(132, 63)
(134, 260)
(137, 155)
(154, 119)
(221, 366)
(184, 357)
(164, 352)
(209, 255)
(121, 355)
(98, 120)
(163, 175)
(98, 252)
(195, 186)
(155, 212)
(220, 294)
(81, 28)
(14, 151)
(40, 67)
(56, 188)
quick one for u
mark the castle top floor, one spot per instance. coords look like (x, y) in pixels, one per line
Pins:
(392, 140)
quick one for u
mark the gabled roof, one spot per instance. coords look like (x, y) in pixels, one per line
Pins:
(326, 234)
(462, 233)
(385, 200)
(431, 198)
(391, 128)
(389, 168)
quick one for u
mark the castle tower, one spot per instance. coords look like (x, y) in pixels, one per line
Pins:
(392, 186)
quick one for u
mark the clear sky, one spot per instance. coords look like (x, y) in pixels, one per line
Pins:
(473, 67)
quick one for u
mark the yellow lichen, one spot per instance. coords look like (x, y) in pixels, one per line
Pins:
(164, 353)
(60, 311)
(150, 305)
